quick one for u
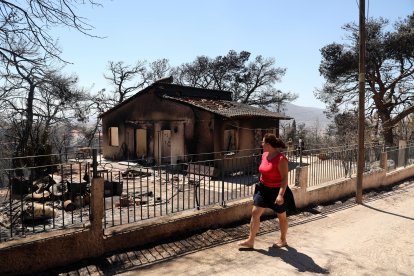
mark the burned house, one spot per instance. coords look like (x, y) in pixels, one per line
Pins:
(166, 122)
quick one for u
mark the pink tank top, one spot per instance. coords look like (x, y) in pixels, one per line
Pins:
(269, 170)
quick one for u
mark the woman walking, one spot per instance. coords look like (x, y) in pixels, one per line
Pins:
(273, 191)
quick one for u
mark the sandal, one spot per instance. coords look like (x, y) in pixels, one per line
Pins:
(279, 244)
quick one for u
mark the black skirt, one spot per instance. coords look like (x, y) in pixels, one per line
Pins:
(265, 197)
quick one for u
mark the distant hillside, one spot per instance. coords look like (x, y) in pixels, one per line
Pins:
(310, 116)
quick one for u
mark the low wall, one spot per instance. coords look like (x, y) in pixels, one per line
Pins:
(398, 175)
(58, 248)
(64, 247)
(162, 228)
(347, 187)
(47, 251)
(342, 188)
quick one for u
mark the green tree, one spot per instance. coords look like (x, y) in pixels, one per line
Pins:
(291, 133)
(251, 82)
(389, 73)
(344, 129)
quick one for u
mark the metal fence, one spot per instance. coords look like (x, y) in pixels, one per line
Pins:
(55, 196)
(400, 156)
(331, 164)
(149, 192)
(36, 199)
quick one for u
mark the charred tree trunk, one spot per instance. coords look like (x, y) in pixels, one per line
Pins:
(24, 147)
(388, 137)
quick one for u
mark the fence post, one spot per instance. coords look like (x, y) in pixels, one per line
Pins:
(94, 163)
(97, 192)
(97, 196)
(197, 184)
(302, 177)
(402, 145)
(383, 160)
(223, 202)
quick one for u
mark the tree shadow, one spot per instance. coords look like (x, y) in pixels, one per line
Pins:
(302, 262)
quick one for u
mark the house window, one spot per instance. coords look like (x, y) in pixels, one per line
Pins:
(230, 140)
(113, 137)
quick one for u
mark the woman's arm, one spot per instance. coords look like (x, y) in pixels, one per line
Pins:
(283, 171)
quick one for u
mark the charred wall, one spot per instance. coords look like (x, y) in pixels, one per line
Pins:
(172, 129)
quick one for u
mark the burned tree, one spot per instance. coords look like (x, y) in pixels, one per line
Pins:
(389, 74)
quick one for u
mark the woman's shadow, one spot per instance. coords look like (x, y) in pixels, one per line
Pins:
(302, 262)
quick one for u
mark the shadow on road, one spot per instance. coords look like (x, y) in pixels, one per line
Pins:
(302, 262)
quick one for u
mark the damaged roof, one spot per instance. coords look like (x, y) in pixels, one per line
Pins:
(228, 109)
(214, 101)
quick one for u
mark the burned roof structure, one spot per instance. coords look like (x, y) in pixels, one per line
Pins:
(215, 101)
(167, 119)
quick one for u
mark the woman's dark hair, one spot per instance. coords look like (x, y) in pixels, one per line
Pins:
(275, 142)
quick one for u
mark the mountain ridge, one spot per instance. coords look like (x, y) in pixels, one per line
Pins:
(310, 116)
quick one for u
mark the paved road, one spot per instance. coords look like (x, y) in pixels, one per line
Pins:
(376, 238)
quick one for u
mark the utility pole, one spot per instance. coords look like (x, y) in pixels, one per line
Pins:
(361, 111)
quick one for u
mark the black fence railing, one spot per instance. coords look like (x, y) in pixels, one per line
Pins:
(140, 193)
(341, 162)
(36, 199)
(328, 164)
(400, 156)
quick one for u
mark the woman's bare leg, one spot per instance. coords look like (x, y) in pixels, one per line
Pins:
(254, 226)
(283, 225)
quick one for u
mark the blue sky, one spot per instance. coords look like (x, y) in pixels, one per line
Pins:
(291, 31)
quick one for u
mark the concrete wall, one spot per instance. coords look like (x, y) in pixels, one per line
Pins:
(57, 248)
(60, 248)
